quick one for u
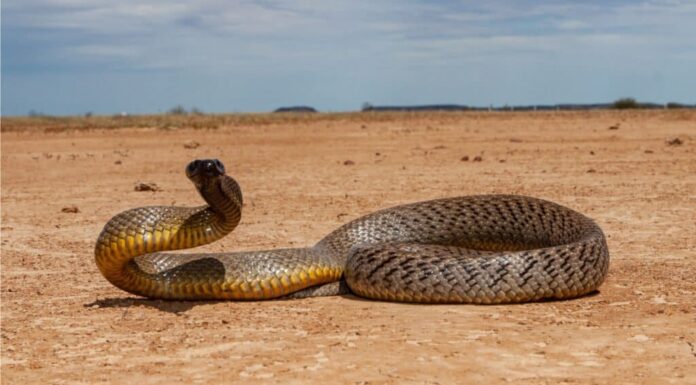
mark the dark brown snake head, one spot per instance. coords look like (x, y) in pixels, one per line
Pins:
(201, 170)
(216, 188)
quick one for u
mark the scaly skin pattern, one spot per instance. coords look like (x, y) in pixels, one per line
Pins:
(475, 249)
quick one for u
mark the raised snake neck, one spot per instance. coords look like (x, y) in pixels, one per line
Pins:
(472, 249)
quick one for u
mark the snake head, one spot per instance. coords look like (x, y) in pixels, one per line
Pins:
(201, 170)
(219, 190)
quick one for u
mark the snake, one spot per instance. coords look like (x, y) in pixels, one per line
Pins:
(478, 249)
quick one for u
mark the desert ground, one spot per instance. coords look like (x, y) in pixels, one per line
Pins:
(634, 172)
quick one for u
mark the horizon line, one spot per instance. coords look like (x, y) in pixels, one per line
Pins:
(622, 103)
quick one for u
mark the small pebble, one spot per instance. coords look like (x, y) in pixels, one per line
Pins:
(192, 145)
(465, 158)
(478, 158)
(348, 163)
(70, 209)
(674, 142)
(140, 186)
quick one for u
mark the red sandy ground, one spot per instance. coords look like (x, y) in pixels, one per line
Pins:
(63, 323)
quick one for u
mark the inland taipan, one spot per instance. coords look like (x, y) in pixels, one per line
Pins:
(473, 249)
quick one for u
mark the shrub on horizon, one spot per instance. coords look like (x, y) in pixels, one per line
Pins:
(625, 103)
(177, 110)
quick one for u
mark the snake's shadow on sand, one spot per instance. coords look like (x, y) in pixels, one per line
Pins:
(174, 307)
(178, 307)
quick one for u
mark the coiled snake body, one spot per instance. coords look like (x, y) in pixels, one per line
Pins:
(473, 249)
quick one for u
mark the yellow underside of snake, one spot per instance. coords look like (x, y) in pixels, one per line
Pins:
(471, 249)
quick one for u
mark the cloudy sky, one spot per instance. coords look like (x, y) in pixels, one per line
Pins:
(139, 56)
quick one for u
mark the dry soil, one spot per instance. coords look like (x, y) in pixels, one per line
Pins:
(63, 323)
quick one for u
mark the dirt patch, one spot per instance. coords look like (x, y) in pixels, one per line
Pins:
(63, 323)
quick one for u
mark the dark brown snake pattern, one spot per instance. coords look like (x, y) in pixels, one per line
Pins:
(473, 249)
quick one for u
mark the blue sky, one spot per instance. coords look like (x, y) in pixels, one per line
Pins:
(73, 56)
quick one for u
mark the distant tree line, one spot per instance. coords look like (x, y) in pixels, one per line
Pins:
(623, 103)
(619, 104)
(627, 103)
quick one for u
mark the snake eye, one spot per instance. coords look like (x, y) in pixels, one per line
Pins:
(220, 167)
(193, 168)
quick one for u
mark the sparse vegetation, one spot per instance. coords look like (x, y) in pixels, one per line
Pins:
(177, 110)
(181, 110)
(36, 114)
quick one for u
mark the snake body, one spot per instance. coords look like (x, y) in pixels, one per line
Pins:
(472, 249)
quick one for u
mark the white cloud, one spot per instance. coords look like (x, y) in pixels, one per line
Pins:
(570, 25)
(329, 39)
(144, 33)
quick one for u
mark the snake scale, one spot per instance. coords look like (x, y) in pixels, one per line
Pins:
(473, 249)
